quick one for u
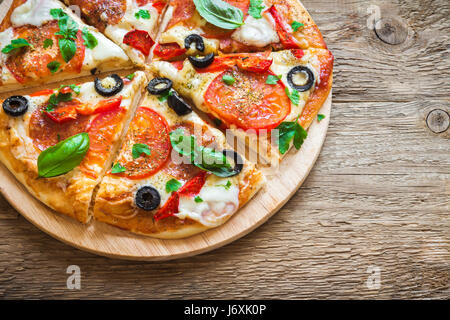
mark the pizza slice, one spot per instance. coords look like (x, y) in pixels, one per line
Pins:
(202, 27)
(132, 24)
(175, 175)
(41, 41)
(58, 143)
(254, 93)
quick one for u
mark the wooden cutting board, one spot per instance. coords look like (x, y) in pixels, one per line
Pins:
(105, 240)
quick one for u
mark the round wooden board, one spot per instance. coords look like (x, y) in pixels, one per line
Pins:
(105, 240)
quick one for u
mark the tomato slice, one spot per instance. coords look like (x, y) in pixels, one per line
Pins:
(102, 131)
(249, 103)
(168, 51)
(178, 64)
(255, 62)
(139, 40)
(150, 128)
(102, 106)
(26, 64)
(286, 37)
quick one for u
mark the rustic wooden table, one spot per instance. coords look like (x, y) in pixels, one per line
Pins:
(372, 219)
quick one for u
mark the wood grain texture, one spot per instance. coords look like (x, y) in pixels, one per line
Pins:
(378, 195)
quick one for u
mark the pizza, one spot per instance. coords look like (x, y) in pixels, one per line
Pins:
(254, 93)
(159, 188)
(250, 26)
(149, 152)
(131, 24)
(42, 42)
(58, 142)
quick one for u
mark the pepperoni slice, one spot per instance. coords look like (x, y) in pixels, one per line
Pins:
(150, 128)
(139, 40)
(182, 12)
(159, 6)
(100, 13)
(46, 133)
(168, 51)
(249, 103)
(33, 62)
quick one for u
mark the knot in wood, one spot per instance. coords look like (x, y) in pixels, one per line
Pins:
(438, 121)
(391, 30)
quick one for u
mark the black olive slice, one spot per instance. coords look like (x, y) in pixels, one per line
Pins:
(109, 90)
(15, 106)
(202, 62)
(309, 82)
(147, 198)
(177, 104)
(199, 44)
(159, 86)
(238, 162)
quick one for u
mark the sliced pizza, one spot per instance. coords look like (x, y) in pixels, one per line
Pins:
(132, 24)
(41, 41)
(175, 176)
(58, 143)
(253, 94)
(202, 27)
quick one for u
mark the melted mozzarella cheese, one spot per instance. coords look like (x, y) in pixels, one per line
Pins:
(130, 22)
(256, 32)
(104, 51)
(218, 205)
(178, 33)
(34, 12)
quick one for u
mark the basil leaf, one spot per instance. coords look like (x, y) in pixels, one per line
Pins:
(15, 44)
(271, 79)
(144, 14)
(53, 66)
(256, 6)
(139, 149)
(57, 13)
(68, 48)
(55, 99)
(288, 131)
(294, 96)
(89, 40)
(226, 186)
(296, 25)
(172, 185)
(197, 199)
(229, 80)
(130, 76)
(48, 43)
(204, 158)
(320, 117)
(118, 168)
(64, 156)
(220, 13)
